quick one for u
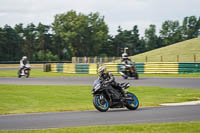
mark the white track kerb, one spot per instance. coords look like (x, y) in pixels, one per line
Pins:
(181, 104)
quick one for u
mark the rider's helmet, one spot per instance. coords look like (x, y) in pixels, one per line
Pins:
(24, 57)
(124, 56)
(102, 70)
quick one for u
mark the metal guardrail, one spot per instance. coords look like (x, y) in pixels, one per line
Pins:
(154, 67)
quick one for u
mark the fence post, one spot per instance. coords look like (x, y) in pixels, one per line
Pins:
(106, 59)
(146, 58)
(177, 58)
(194, 57)
(88, 60)
(113, 59)
(85, 59)
(95, 59)
(73, 59)
(101, 60)
(78, 60)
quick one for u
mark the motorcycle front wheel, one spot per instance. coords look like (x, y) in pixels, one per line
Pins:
(132, 104)
(100, 103)
(19, 74)
(27, 73)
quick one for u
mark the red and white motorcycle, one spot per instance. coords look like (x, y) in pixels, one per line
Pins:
(25, 71)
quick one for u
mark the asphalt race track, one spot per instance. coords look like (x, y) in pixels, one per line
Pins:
(91, 118)
(193, 83)
(112, 117)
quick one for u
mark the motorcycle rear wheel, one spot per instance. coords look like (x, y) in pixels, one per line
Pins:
(100, 103)
(27, 74)
(136, 76)
(132, 105)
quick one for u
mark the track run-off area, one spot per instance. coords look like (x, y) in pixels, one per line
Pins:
(112, 117)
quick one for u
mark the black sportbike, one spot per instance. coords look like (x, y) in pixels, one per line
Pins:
(105, 97)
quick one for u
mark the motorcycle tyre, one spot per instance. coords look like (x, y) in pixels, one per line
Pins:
(136, 76)
(128, 106)
(27, 74)
(19, 75)
(97, 107)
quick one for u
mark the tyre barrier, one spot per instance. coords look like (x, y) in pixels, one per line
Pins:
(150, 67)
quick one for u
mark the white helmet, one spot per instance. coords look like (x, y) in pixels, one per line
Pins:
(124, 55)
(24, 57)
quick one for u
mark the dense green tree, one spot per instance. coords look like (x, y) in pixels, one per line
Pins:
(170, 32)
(82, 35)
(119, 42)
(2, 44)
(129, 39)
(191, 27)
(20, 34)
(77, 34)
(151, 38)
(9, 43)
(43, 41)
(29, 36)
(136, 46)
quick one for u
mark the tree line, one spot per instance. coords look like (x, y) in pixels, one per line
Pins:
(76, 34)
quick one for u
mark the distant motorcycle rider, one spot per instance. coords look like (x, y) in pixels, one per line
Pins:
(127, 66)
(125, 59)
(23, 63)
(108, 78)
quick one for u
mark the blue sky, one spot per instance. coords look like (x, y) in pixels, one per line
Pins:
(124, 13)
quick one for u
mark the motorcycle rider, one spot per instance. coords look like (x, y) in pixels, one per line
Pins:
(23, 63)
(108, 78)
(125, 62)
(125, 59)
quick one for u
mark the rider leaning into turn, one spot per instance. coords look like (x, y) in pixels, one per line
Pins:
(108, 78)
(23, 63)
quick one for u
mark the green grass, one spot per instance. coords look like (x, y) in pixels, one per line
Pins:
(40, 73)
(181, 127)
(15, 99)
(184, 50)
(189, 75)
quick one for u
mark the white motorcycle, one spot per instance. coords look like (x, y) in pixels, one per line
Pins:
(25, 71)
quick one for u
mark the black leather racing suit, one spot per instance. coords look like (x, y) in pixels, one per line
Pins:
(110, 79)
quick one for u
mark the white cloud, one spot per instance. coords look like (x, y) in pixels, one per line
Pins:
(125, 13)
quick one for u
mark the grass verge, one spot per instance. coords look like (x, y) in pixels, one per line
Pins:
(16, 99)
(40, 73)
(181, 127)
(182, 52)
(186, 75)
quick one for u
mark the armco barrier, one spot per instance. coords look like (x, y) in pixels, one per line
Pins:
(90, 68)
(189, 68)
(93, 68)
(82, 68)
(59, 67)
(54, 67)
(161, 67)
(155, 67)
(69, 68)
